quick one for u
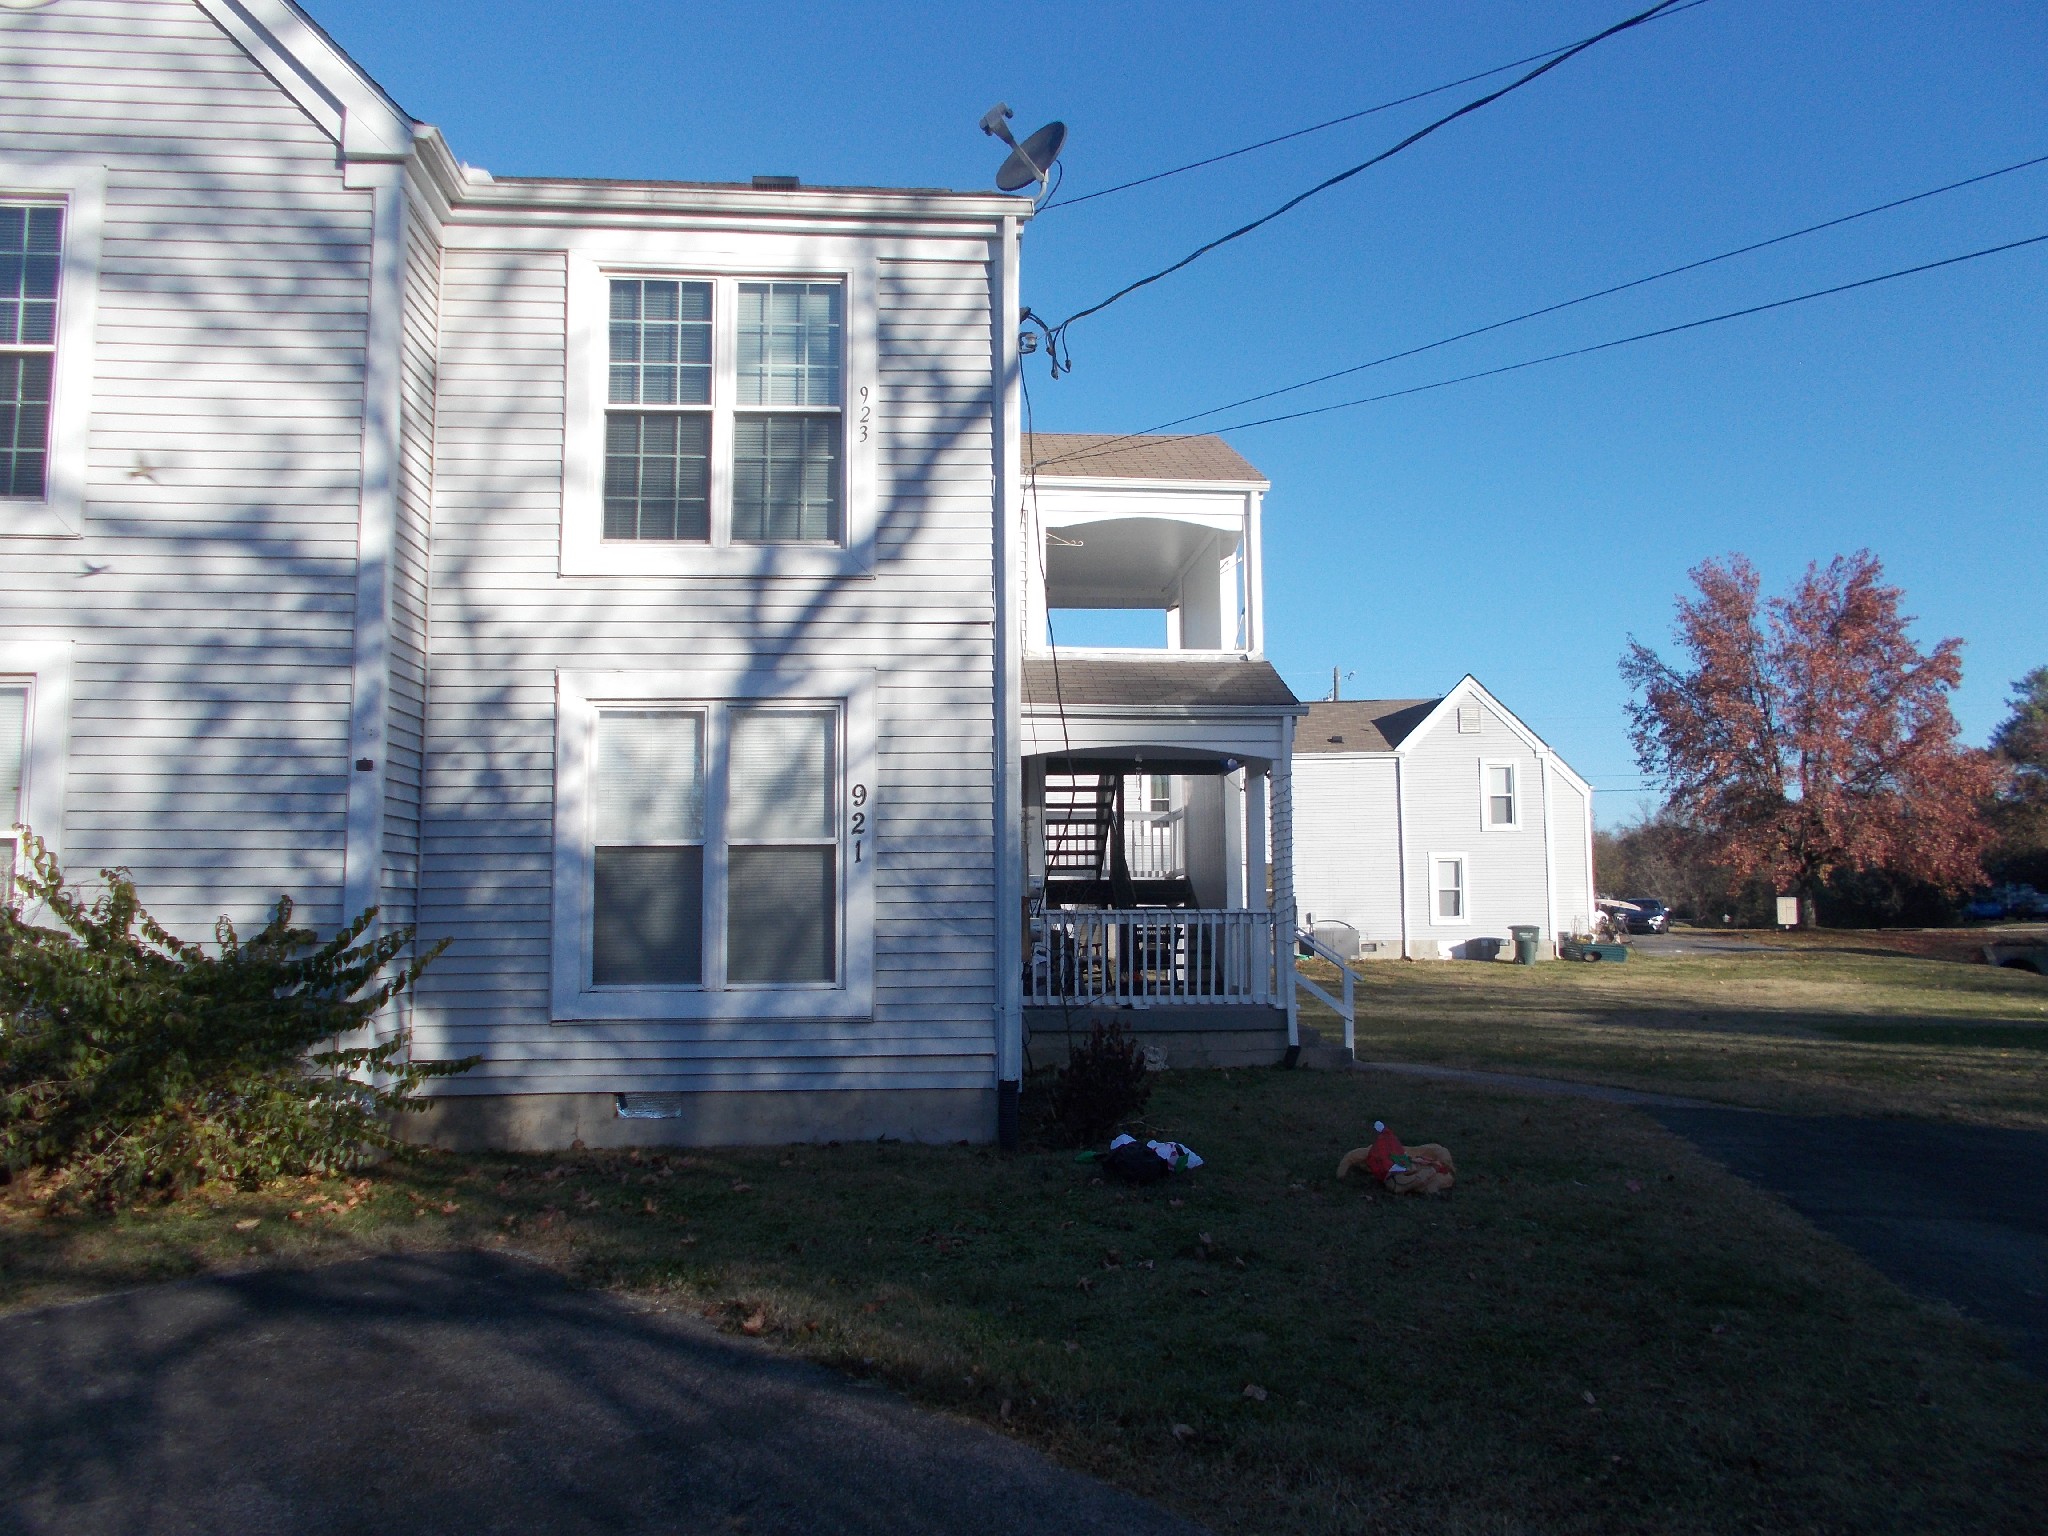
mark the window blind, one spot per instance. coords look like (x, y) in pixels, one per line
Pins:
(650, 777)
(789, 343)
(781, 775)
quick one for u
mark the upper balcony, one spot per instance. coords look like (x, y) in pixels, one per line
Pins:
(1168, 525)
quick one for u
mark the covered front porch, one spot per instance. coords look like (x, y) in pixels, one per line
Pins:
(1156, 840)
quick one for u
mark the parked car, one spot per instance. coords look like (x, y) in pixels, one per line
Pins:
(1650, 915)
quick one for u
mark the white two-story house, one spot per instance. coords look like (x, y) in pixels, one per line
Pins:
(633, 583)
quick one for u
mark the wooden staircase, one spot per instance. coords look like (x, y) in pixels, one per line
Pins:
(1085, 860)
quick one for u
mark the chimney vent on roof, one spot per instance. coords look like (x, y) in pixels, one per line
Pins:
(776, 183)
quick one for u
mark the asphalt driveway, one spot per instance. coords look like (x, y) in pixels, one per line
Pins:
(461, 1393)
(1958, 1213)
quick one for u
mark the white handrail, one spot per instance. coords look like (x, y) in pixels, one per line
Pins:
(1348, 1008)
(1152, 844)
(1152, 958)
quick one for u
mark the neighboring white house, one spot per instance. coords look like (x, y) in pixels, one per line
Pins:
(1432, 826)
(621, 580)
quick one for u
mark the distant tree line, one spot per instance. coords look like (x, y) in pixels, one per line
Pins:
(1804, 746)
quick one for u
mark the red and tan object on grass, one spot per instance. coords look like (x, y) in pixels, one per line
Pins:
(1422, 1170)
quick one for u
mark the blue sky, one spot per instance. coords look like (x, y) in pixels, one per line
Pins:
(1518, 528)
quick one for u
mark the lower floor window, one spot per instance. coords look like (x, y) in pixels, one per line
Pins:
(717, 850)
(1449, 883)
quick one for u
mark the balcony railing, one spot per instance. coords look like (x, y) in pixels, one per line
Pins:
(1153, 959)
(1152, 844)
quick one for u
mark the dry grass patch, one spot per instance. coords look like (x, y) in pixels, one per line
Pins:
(1598, 1332)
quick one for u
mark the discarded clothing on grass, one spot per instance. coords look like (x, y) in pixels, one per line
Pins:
(1133, 1164)
(1421, 1170)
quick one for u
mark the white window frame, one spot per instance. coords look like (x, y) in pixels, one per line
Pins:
(584, 549)
(43, 666)
(82, 189)
(1464, 864)
(1486, 821)
(579, 698)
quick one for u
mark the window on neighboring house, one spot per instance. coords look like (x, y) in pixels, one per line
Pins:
(13, 738)
(31, 250)
(1448, 881)
(724, 420)
(703, 809)
(1500, 794)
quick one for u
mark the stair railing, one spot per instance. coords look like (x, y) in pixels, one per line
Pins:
(1347, 1009)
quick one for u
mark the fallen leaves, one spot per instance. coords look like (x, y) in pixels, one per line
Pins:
(1256, 1393)
(248, 1223)
(755, 1322)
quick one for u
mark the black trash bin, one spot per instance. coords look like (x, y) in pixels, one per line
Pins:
(1525, 942)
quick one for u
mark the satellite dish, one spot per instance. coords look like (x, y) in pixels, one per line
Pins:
(1029, 162)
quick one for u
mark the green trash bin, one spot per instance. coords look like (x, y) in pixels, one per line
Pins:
(1525, 942)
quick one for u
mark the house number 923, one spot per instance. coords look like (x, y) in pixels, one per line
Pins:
(867, 413)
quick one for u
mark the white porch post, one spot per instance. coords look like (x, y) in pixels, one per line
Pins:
(1283, 877)
(1255, 838)
(1234, 841)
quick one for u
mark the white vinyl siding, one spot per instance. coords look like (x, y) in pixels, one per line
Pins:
(1347, 859)
(216, 438)
(505, 622)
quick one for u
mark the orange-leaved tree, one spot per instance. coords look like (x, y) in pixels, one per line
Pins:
(1808, 733)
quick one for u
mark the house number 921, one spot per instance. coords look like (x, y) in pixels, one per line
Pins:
(857, 828)
(867, 413)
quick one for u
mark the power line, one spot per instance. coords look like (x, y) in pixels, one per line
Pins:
(1334, 122)
(1622, 341)
(1056, 334)
(1563, 304)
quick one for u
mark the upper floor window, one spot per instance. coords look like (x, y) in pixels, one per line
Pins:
(724, 415)
(1500, 802)
(31, 255)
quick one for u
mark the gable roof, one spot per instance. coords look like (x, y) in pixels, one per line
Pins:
(1127, 456)
(1139, 682)
(1361, 725)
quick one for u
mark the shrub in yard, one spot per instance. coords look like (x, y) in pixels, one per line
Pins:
(1102, 1083)
(132, 1061)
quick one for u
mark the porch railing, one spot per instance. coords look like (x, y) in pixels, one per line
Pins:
(1153, 958)
(1152, 844)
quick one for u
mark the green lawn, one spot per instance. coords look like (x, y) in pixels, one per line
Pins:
(1820, 1029)
(1598, 1332)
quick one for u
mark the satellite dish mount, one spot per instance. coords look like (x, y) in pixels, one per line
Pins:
(1029, 162)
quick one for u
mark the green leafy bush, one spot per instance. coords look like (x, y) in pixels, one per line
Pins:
(1102, 1083)
(133, 1062)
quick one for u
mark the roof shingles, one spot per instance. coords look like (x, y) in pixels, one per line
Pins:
(1142, 683)
(1360, 725)
(1113, 456)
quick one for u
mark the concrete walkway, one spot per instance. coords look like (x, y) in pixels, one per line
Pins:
(467, 1393)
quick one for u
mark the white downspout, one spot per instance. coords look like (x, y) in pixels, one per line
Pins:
(376, 537)
(1009, 801)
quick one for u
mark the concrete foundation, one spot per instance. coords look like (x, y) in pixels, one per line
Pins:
(1180, 1037)
(550, 1122)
